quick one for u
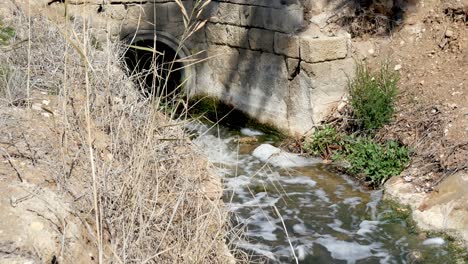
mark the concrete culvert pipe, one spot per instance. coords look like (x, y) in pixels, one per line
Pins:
(164, 73)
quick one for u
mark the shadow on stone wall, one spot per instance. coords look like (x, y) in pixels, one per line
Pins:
(240, 39)
(260, 57)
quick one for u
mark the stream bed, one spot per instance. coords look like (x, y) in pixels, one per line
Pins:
(297, 210)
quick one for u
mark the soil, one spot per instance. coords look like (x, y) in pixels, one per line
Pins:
(430, 52)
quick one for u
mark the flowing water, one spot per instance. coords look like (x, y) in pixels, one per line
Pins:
(295, 209)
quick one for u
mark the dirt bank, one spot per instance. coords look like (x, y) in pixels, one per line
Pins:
(91, 170)
(429, 49)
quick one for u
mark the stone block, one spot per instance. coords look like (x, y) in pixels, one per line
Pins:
(227, 13)
(328, 83)
(174, 13)
(265, 3)
(287, 20)
(260, 39)
(292, 65)
(228, 35)
(286, 44)
(323, 49)
(222, 58)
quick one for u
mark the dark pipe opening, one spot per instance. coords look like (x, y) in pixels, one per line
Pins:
(158, 74)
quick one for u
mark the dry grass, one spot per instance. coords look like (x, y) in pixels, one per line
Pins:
(130, 169)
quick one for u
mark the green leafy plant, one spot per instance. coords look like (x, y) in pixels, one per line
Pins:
(373, 96)
(368, 160)
(324, 141)
(375, 162)
(6, 34)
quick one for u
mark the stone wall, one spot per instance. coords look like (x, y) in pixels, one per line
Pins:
(260, 56)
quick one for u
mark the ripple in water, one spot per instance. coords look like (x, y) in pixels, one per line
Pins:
(328, 218)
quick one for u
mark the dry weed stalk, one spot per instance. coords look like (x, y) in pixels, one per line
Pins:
(131, 170)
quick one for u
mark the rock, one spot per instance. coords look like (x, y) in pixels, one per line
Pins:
(36, 106)
(260, 39)
(287, 45)
(371, 51)
(247, 140)
(442, 210)
(228, 35)
(414, 257)
(292, 65)
(436, 241)
(397, 67)
(279, 158)
(449, 33)
(323, 49)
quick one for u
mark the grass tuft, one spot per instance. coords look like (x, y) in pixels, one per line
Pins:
(373, 96)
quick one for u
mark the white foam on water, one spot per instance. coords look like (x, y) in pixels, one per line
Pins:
(237, 182)
(261, 200)
(268, 236)
(300, 180)
(300, 229)
(348, 251)
(216, 149)
(366, 227)
(197, 126)
(301, 252)
(352, 201)
(435, 241)
(258, 248)
(250, 132)
(279, 158)
(305, 201)
(336, 225)
(322, 195)
(375, 198)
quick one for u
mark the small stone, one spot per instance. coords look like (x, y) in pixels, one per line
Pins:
(408, 178)
(45, 102)
(402, 43)
(36, 107)
(453, 106)
(421, 82)
(397, 67)
(415, 256)
(371, 51)
(449, 33)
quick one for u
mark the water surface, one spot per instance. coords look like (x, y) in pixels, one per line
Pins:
(295, 209)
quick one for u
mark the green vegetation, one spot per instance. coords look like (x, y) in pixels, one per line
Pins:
(368, 160)
(373, 95)
(323, 141)
(372, 101)
(373, 161)
(6, 34)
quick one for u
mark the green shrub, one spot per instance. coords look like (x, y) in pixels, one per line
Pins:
(368, 160)
(6, 34)
(373, 95)
(323, 140)
(375, 162)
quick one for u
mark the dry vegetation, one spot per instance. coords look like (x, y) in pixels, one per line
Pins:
(129, 172)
